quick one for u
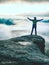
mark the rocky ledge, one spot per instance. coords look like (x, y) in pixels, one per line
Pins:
(24, 50)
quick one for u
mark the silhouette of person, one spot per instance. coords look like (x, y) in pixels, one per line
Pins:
(34, 26)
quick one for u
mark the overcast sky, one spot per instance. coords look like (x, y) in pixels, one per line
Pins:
(25, 0)
(36, 0)
(17, 7)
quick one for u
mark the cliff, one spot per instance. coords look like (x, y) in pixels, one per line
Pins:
(24, 50)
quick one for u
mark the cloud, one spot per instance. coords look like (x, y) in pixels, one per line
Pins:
(2, 1)
(46, 14)
(35, 0)
(25, 0)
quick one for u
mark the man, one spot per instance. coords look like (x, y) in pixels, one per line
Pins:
(34, 24)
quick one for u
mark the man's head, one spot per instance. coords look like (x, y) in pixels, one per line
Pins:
(34, 18)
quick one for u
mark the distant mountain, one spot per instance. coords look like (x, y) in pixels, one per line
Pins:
(46, 21)
(6, 21)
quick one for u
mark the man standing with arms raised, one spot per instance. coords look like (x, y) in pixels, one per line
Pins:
(34, 26)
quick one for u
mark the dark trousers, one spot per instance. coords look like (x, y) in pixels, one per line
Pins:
(34, 27)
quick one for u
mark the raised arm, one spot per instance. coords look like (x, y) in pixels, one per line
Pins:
(30, 19)
(40, 20)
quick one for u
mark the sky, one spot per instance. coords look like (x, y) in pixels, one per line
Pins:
(24, 7)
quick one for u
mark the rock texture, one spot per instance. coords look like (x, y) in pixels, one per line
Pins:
(24, 50)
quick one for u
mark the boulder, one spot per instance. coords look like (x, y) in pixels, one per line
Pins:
(24, 50)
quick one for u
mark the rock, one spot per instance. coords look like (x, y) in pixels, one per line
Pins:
(24, 50)
(38, 40)
(47, 52)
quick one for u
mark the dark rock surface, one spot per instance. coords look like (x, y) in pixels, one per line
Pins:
(24, 50)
